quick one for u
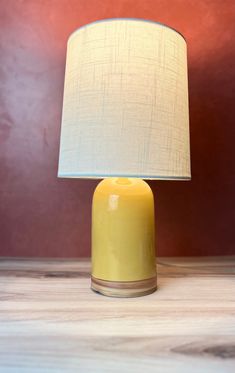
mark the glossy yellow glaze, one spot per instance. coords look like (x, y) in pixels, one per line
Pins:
(123, 230)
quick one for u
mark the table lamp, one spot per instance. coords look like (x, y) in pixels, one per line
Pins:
(125, 119)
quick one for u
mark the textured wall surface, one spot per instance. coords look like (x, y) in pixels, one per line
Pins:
(43, 216)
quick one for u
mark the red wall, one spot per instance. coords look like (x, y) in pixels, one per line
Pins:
(43, 216)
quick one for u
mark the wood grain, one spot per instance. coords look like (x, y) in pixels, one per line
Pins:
(50, 320)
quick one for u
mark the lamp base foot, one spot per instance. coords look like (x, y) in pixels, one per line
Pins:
(124, 289)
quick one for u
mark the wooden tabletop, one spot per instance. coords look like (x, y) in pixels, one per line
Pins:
(50, 320)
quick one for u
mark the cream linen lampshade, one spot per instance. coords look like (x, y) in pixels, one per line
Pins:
(125, 109)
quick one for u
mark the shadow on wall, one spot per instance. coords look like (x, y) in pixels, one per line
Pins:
(198, 217)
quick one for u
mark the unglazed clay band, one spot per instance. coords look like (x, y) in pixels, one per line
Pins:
(124, 288)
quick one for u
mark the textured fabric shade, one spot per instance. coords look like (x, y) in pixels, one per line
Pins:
(125, 109)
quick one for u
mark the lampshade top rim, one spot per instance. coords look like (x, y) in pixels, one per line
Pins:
(124, 19)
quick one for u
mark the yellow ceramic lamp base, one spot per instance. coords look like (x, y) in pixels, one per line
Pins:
(123, 250)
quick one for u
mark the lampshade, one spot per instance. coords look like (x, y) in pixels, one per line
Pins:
(125, 108)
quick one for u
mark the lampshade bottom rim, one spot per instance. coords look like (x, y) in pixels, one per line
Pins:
(103, 176)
